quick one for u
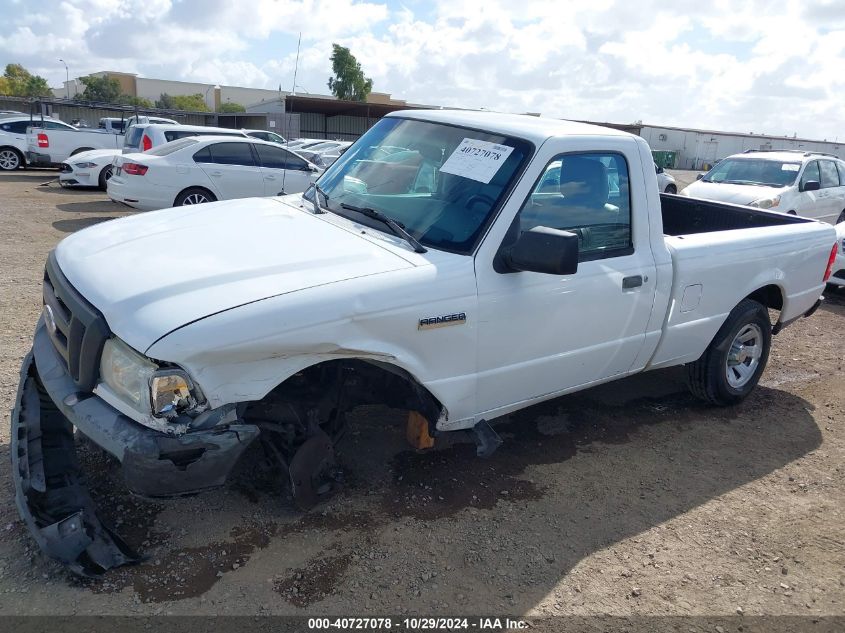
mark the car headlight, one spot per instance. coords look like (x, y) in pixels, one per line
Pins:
(143, 385)
(85, 165)
(766, 203)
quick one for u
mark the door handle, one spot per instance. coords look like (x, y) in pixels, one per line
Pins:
(634, 281)
(269, 178)
(216, 173)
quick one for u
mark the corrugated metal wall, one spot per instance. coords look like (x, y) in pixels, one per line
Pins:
(341, 127)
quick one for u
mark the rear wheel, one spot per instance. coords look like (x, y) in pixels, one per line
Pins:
(10, 159)
(194, 195)
(105, 176)
(732, 364)
(671, 189)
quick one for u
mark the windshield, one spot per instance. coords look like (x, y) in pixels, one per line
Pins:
(441, 183)
(753, 171)
(133, 136)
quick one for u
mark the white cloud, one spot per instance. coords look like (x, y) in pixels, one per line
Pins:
(734, 64)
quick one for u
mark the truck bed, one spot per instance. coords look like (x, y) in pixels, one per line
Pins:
(688, 216)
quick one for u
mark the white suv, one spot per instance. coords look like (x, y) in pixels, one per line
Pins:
(13, 138)
(143, 137)
(789, 181)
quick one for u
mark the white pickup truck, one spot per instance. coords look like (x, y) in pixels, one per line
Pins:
(46, 146)
(456, 280)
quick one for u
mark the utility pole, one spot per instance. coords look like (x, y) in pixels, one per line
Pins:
(67, 78)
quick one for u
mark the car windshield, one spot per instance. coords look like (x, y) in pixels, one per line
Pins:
(754, 171)
(443, 186)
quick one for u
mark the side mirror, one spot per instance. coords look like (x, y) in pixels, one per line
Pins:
(811, 185)
(544, 250)
(659, 170)
(699, 176)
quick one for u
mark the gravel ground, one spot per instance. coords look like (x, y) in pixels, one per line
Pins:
(628, 499)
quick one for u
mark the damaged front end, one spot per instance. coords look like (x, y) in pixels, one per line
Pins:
(50, 488)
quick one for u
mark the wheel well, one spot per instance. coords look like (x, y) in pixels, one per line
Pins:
(338, 386)
(186, 189)
(770, 296)
(79, 150)
(13, 148)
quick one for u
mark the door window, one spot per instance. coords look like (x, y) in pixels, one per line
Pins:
(829, 175)
(811, 172)
(16, 127)
(272, 157)
(587, 194)
(232, 154)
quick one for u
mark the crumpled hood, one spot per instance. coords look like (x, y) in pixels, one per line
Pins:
(152, 273)
(736, 194)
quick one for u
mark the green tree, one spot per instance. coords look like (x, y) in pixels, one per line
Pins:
(141, 102)
(5, 89)
(19, 82)
(104, 89)
(348, 82)
(191, 103)
(231, 107)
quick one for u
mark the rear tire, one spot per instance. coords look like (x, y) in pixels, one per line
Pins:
(105, 175)
(194, 195)
(10, 159)
(671, 189)
(732, 364)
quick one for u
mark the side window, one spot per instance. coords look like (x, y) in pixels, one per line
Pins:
(259, 135)
(203, 156)
(811, 172)
(271, 157)
(841, 167)
(232, 154)
(830, 177)
(589, 195)
(53, 125)
(18, 127)
(295, 162)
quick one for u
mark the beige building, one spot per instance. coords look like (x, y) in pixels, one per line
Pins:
(214, 95)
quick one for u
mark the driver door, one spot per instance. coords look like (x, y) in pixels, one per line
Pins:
(542, 334)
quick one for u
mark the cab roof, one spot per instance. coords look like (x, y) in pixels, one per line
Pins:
(532, 128)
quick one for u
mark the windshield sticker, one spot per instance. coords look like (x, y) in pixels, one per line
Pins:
(789, 167)
(476, 160)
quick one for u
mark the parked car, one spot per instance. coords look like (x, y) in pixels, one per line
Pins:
(299, 142)
(173, 340)
(665, 181)
(323, 154)
(837, 278)
(88, 169)
(144, 137)
(195, 170)
(808, 184)
(265, 135)
(136, 120)
(13, 144)
(51, 144)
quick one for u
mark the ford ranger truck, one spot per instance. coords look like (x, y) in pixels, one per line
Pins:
(460, 265)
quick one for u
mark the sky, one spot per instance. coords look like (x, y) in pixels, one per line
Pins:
(743, 66)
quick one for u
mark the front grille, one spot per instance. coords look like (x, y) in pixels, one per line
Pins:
(65, 168)
(80, 332)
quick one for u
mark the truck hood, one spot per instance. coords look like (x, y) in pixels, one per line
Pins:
(152, 273)
(736, 194)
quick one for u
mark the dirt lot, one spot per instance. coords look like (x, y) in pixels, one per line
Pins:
(629, 499)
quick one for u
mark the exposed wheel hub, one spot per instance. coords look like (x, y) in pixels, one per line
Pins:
(744, 355)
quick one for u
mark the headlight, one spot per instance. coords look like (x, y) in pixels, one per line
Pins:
(85, 165)
(766, 203)
(127, 373)
(140, 383)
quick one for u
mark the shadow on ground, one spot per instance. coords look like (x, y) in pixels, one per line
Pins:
(69, 226)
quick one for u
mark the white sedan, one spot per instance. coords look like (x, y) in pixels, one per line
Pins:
(194, 170)
(88, 169)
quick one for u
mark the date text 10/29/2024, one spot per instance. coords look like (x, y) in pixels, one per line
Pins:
(417, 624)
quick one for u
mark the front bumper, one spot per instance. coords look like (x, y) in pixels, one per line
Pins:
(49, 492)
